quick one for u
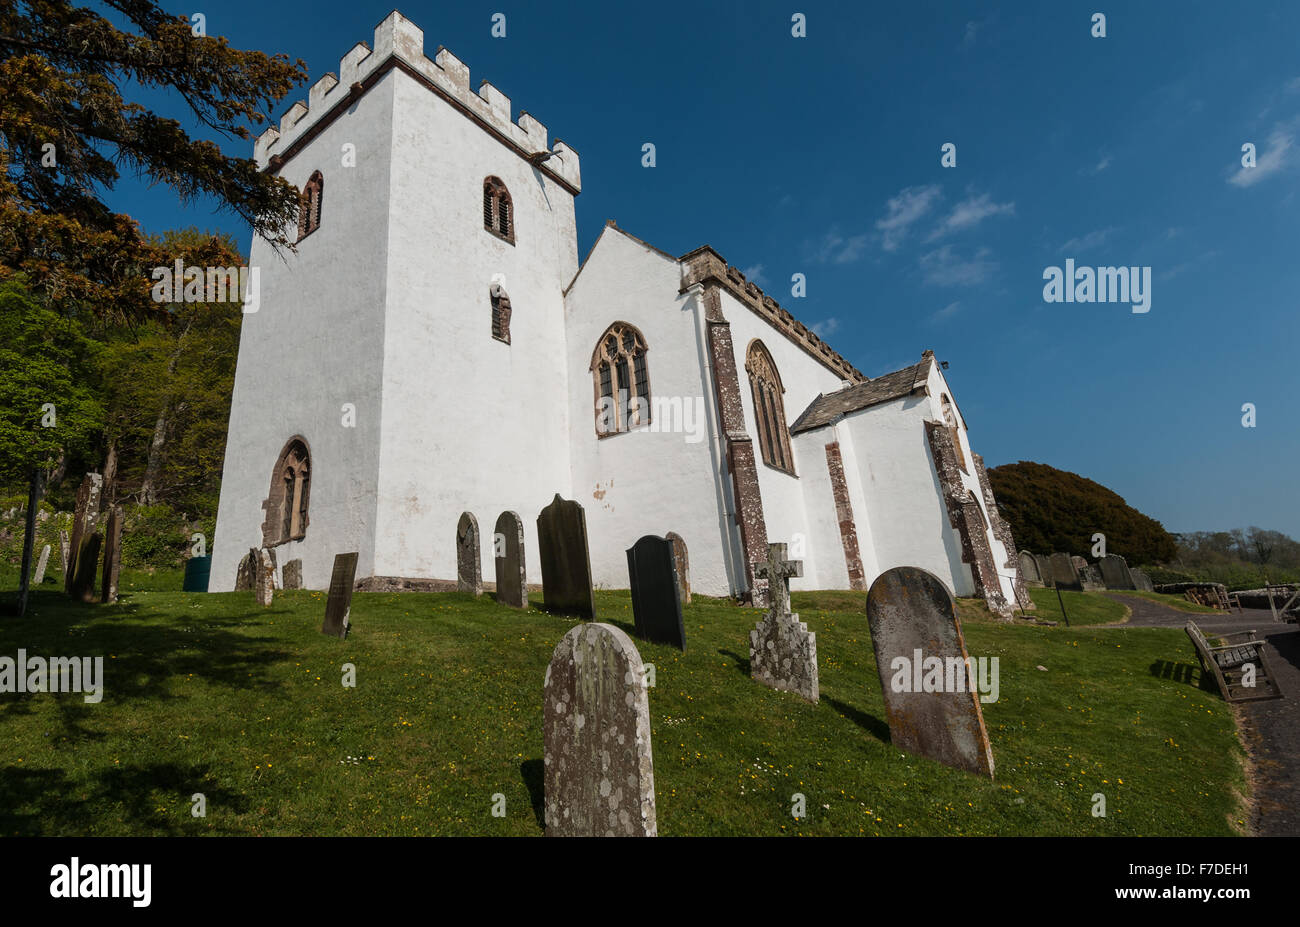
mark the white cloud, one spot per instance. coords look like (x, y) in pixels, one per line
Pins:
(1102, 164)
(1267, 162)
(826, 327)
(754, 274)
(943, 267)
(834, 248)
(947, 312)
(904, 210)
(972, 28)
(970, 213)
(1094, 239)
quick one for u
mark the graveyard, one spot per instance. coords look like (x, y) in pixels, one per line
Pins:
(216, 695)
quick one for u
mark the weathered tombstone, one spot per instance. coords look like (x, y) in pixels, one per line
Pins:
(683, 565)
(656, 597)
(598, 767)
(85, 518)
(1063, 572)
(292, 575)
(1141, 581)
(264, 577)
(112, 554)
(1114, 572)
(1079, 562)
(86, 564)
(566, 563)
(35, 490)
(1029, 569)
(41, 564)
(508, 547)
(913, 618)
(1044, 568)
(65, 552)
(247, 571)
(338, 605)
(1090, 578)
(469, 571)
(782, 651)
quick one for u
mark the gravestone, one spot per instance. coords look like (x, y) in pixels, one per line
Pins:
(782, 651)
(1141, 581)
(65, 552)
(86, 565)
(1114, 571)
(41, 564)
(1090, 578)
(598, 767)
(508, 546)
(292, 575)
(1044, 568)
(264, 577)
(913, 618)
(656, 596)
(112, 554)
(1029, 569)
(85, 519)
(338, 605)
(1079, 562)
(469, 572)
(566, 563)
(1063, 573)
(247, 571)
(683, 565)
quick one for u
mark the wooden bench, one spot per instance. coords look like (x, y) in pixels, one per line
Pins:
(1228, 662)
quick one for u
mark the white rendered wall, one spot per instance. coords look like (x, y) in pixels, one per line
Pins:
(315, 343)
(662, 477)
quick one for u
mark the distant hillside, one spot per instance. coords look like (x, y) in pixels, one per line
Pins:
(1051, 510)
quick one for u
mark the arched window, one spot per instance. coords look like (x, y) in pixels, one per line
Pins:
(498, 210)
(950, 419)
(500, 313)
(286, 504)
(309, 211)
(621, 380)
(769, 409)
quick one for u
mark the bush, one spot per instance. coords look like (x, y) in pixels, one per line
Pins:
(154, 535)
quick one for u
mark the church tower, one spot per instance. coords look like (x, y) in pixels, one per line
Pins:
(407, 364)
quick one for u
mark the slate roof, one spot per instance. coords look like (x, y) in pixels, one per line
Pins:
(828, 407)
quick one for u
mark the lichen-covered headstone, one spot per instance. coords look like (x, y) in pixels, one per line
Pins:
(599, 771)
(1029, 569)
(247, 572)
(782, 651)
(41, 564)
(264, 577)
(65, 552)
(1115, 572)
(915, 633)
(85, 519)
(338, 605)
(112, 554)
(566, 562)
(682, 556)
(469, 571)
(508, 550)
(1141, 581)
(292, 574)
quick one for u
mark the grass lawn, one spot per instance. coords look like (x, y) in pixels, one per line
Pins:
(1082, 608)
(211, 694)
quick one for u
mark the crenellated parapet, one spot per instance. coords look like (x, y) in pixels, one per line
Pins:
(400, 43)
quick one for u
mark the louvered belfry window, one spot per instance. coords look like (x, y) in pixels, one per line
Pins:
(310, 208)
(500, 314)
(621, 380)
(498, 209)
(769, 408)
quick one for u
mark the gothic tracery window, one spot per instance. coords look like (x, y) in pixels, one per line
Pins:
(309, 211)
(286, 504)
(769, 408)
(621, 380)
(498, 209)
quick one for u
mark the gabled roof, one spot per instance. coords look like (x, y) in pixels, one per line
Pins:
(829, 407)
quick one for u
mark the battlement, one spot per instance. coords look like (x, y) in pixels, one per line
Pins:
(398, 38)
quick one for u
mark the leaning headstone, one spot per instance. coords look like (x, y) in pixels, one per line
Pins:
(566, 563)
(41, 564)
(112, 554)
(292, 575)
(85, 519)
(264, 578)
(656, 596)
(86, 564)
(508, 546)
(782, 651)
(1063, 572)
(1029, 569)
(1114, 571)
(598, 768)
(683, 565)
(1141, 581)
(931, 703)
(469, 573)
(1090, 578)
(247, 571)
(1044, 568)
(338, 605)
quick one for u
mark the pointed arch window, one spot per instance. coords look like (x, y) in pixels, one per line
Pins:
(950, 419)
(500, 313)
(769, 408)
(286, 504)
(309, 211)
(621, 380)
(498, 210)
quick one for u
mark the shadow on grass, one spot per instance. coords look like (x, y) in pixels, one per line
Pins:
(742, 663)
(1188, 673)
(869, 723)
(532, 772)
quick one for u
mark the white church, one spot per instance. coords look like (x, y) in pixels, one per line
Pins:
(436, 347)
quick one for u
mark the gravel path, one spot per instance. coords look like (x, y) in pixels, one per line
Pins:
(1271, 728)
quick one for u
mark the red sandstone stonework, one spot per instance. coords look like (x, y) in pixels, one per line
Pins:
(844, 515)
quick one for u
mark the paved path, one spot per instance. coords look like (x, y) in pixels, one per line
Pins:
(1271, 728)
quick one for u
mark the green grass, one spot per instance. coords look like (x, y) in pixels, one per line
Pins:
(1082, 608)
(211, 694)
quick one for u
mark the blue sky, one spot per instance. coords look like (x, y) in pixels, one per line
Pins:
(821, 156)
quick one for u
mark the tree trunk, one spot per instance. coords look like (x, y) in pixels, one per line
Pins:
(110, 474)
(149, 488)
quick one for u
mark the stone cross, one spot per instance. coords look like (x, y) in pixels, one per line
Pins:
(777, 571)
(782, 651)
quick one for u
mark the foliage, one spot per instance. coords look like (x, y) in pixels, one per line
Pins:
(1051, 510)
